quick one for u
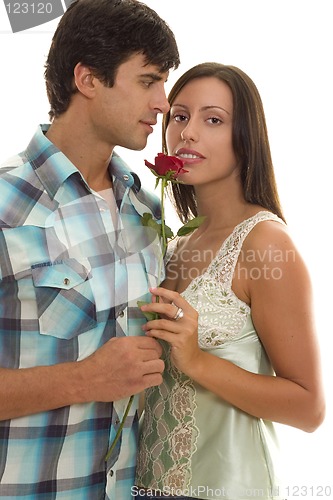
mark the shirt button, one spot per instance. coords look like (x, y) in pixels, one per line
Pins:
(125, 177)
(117, 422)
(66, 281)
(111, 473)
(121, 314)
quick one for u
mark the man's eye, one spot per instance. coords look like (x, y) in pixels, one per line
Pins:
(148, 84)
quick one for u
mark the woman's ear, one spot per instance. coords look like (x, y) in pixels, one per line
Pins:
(84, 80)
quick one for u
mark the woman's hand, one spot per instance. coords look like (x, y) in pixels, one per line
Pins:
(178, 326)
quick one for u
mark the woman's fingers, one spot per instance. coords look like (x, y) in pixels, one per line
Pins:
(172, 298)
(169, 310)
(177, 325)
(176, 316)
(170, 305)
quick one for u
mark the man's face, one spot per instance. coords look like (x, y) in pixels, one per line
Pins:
(124, 114)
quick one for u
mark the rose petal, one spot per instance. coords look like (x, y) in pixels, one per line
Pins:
(149, 165)
(165, 164)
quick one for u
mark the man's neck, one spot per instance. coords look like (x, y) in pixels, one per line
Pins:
(78, 145)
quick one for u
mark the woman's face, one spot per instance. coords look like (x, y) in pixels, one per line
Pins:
(200, 131)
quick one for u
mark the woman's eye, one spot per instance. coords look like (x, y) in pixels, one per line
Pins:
(179, 118)
(214, 120)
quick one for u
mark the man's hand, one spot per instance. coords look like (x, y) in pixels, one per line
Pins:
(122, 367)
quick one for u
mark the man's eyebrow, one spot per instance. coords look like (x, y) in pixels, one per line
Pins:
(154, 76)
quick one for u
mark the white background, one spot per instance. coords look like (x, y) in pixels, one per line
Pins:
(286, 48)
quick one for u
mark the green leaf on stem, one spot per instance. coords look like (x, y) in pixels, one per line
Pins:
(170, 175)
(148, 221)
(191, 226)
(168, 232)
(148, 315)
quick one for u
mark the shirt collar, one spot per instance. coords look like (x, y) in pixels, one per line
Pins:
(52, 167)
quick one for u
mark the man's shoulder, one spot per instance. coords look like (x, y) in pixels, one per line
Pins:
(15, 172)
(12, 163)
(18, 184)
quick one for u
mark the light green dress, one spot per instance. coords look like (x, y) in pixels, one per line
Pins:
(193, 443)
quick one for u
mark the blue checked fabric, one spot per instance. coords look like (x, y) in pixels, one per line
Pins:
(70, 277)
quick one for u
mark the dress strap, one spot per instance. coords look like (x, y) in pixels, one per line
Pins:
(229, 252)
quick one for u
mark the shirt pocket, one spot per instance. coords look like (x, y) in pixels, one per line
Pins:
(153, 262)
(65, 301)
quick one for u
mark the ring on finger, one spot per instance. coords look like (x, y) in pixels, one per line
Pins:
(179, 314)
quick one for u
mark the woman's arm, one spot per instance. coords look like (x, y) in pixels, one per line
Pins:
(282, 315)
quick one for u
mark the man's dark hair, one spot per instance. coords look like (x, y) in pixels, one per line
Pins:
(103, 34)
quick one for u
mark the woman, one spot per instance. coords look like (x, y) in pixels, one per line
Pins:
(236, 310)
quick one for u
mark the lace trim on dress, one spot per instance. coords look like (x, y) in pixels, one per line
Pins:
(168, 435)
(169, 432)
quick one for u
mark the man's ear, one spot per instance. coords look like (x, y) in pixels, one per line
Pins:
(84, 80)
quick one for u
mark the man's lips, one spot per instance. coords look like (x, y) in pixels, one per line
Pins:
(148, 124)
(151, 123)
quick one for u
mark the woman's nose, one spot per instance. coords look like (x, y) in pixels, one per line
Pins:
(189, 133)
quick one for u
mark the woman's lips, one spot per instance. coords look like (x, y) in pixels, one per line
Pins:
(189, 156)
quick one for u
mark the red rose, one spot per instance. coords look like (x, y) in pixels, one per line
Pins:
(165, 164)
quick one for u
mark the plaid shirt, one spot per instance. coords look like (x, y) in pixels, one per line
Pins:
(69, 281)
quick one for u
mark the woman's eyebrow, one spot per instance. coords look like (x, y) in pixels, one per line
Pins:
(204, 108)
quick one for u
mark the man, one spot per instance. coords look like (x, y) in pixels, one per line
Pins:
(74, 260)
